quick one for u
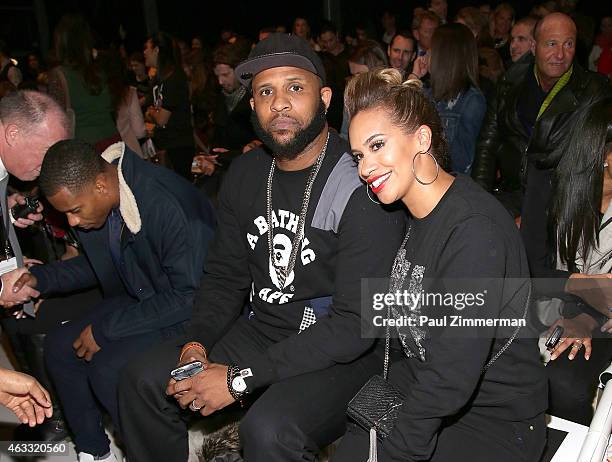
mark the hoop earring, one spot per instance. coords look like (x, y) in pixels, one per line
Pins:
(370, 197)
(420, 153)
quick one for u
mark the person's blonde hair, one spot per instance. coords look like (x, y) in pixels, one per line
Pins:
(405, 103)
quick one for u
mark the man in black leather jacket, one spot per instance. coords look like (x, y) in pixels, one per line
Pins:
(519, 132)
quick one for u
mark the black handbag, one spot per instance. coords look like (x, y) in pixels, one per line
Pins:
(376, 405)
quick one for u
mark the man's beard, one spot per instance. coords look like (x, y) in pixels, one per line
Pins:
(303, 137)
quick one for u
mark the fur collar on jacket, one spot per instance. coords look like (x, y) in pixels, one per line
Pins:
(127, 202)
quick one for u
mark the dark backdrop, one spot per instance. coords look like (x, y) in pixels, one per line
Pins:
(186, 18)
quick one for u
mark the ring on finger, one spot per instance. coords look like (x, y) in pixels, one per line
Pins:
(193, 406)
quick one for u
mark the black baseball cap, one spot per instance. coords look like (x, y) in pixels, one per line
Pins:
(280, 50)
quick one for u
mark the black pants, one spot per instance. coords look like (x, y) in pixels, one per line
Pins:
(52, 313)
(81, 385)
(56, 310)
(572, 384)
(473, 438)
(27, 336)
(290, 421)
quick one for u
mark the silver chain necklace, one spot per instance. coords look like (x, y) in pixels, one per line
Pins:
(283, 273)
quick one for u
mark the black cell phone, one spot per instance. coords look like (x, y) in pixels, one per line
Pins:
(186, 371)
(554, 338)
(23, 210)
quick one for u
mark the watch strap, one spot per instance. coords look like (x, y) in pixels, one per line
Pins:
(233, 371)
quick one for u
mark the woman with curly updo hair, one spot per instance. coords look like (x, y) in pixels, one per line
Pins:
(462, 360)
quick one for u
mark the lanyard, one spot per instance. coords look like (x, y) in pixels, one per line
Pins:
(7, 222)
(556, 89)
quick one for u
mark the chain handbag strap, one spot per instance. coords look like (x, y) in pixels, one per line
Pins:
(394, 285)
(387, 345)
(281, 273)
(514, 334)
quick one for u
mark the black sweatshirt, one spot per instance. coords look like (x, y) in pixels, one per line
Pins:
(468, 240)
(347, 238)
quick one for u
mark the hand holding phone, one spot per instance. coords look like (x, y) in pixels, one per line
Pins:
(186, 371)
(29, 206)
(554, 338)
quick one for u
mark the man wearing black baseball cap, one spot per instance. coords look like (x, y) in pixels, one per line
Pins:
(280, 50)
(297, 233)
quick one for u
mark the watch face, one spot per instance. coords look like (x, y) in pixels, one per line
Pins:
(239, 385)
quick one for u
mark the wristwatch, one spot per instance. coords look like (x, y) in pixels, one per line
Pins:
(239, 385)
(235, 381)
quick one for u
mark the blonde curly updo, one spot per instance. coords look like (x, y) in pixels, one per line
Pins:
(404, 102)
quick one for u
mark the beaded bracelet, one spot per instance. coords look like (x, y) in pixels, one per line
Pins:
(189, 345)
(232, 372)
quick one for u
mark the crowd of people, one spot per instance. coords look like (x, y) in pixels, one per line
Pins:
(195, 233)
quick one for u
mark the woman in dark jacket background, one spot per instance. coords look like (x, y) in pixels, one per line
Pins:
(171, 111)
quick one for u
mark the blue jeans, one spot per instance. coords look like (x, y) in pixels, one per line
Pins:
(81, 385)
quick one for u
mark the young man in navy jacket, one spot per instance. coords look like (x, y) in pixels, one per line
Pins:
(145, 233)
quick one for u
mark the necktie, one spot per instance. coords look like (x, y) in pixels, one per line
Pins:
(115, 228)
(9, 230)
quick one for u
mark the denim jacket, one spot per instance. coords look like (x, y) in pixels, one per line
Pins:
(462, 118)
